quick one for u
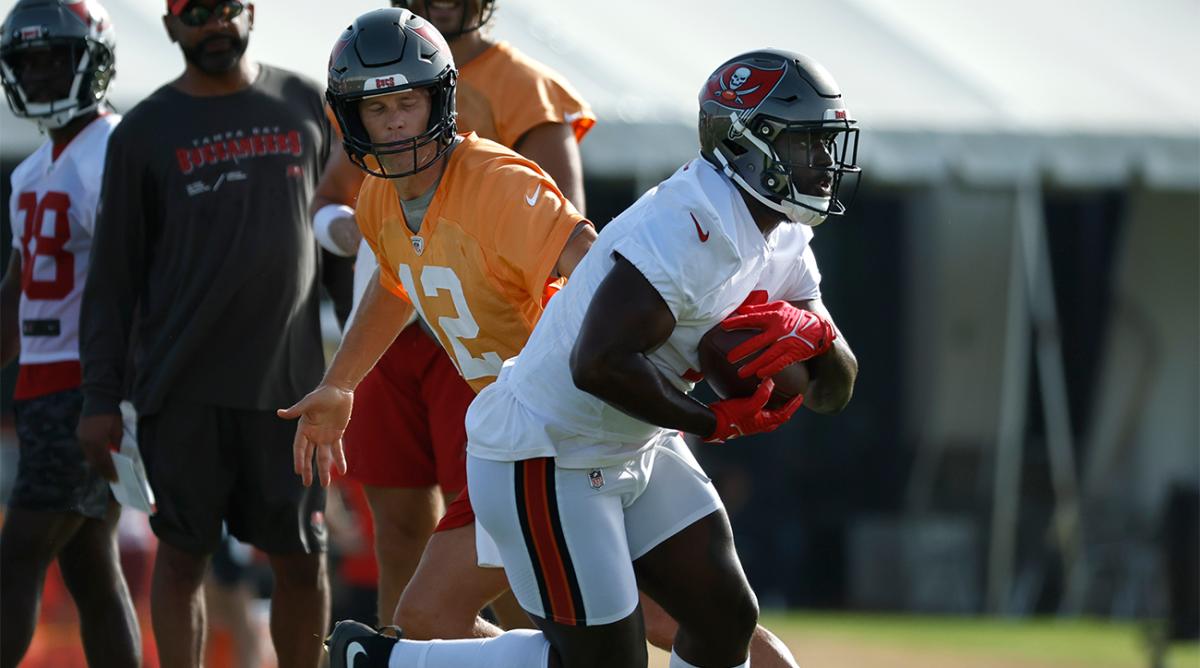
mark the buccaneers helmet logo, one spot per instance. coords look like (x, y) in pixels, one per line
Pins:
(742, 87)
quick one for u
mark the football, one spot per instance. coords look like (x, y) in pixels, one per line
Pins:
(723, 377)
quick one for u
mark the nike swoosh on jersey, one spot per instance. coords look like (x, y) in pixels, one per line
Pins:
(699, 231)
(352, 650)
(532, 199)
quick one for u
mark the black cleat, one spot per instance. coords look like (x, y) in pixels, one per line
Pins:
(356, 645)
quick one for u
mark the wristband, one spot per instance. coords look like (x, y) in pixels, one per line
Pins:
(323, 220)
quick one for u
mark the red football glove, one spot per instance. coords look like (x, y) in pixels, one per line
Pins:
(748, 415)
(789, 335)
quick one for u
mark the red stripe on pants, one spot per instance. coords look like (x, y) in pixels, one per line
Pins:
(549, 554)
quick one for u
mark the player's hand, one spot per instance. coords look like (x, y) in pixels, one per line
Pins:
(97, 435)
(324, 414)
(749, 415)
(788, 335)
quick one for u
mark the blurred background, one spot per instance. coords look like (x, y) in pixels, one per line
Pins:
(1018, 275)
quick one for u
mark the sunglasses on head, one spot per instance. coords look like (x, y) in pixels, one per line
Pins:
(197, 15)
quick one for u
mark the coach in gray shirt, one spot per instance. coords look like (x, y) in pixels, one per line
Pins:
(205, 270)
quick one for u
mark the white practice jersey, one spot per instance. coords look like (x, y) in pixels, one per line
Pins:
(694, 239)
(53, 214)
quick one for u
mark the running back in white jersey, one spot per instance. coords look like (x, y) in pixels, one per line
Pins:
(53, 214)
(694, 239)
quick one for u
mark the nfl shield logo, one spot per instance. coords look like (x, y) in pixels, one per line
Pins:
(418, 245)
(597, 478)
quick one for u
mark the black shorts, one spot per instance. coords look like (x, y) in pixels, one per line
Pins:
(209, 464)
(52, 474)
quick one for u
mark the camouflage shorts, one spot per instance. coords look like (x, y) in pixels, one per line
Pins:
(53, 474)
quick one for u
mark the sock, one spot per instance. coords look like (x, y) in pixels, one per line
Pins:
(521, 648)
(677, 662)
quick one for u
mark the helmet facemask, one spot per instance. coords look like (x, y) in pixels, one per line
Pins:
(801, 164)
(388, 51)
(91, 69)
(370, 156)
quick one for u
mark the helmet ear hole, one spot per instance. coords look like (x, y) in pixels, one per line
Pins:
(733, 148)
(776, 181)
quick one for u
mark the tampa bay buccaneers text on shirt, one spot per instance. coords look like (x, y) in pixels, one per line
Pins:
(238, 145)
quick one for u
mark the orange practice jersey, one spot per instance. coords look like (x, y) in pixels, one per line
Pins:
(477, 269)
(502, 94)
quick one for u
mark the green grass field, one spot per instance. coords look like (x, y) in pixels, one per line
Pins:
(835, 640)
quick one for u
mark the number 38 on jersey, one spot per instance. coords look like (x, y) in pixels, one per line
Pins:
(47, 265)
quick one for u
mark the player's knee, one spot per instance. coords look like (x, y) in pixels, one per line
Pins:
(731, 617)
(398, 534)
(183, 569)
(403, 544)
(299, 571)
(745, 615)
(742, 615)
(422, 618)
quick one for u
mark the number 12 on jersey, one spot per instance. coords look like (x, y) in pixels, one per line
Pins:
(462, 327)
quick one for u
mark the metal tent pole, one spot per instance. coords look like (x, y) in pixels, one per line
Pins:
(1014, 399)
(1031, 301)
(1052, 381)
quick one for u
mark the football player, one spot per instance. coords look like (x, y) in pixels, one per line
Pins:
(575, 459)
(467, 231)
(406, 438)
(57, 59)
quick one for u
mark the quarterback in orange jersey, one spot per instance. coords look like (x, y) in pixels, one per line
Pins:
(466, 231)
(407, 471)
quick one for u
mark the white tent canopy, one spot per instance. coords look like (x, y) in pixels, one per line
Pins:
(970, 88)
(1085, 92)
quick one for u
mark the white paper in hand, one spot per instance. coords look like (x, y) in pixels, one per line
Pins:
(132, 488)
